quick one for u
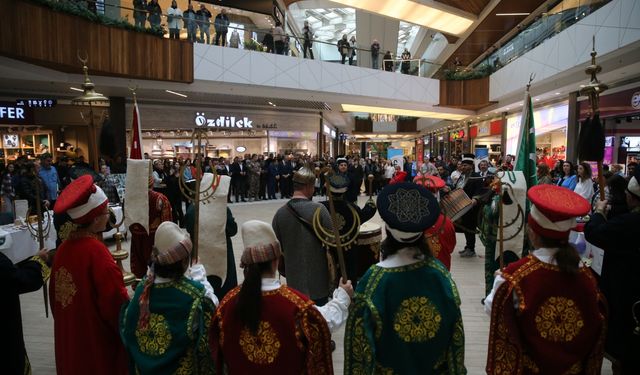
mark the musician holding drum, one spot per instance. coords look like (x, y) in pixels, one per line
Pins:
(472, 184)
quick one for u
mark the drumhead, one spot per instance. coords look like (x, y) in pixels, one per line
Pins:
(370, 228)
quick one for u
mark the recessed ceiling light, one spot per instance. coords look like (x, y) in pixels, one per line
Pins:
(512, 14)
(557, 93)
(537, 99)
(76, 89)
(507, 108)
(175, 93)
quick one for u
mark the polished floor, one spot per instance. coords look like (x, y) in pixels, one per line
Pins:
(467, 272)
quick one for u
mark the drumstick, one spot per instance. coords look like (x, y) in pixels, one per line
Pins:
(334, 224)
(370, 178)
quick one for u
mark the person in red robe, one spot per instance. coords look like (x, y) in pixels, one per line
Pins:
(262, 327)
(441, 237)
(399, 176)
(87, 289)
(547, 314)
(141, 241)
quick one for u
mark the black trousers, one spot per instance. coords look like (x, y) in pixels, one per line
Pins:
(305, 47)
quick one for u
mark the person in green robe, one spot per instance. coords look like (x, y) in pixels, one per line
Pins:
(165, 326)
(405, 318)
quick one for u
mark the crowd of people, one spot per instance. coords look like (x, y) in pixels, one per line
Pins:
(549, 312)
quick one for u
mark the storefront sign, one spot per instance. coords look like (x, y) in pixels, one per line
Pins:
(635, 100)
(13, 114)
(223, 122)
(484, 129)
(459, 134)
(37, 103)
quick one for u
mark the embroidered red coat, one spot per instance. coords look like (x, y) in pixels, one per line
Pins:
(87, 292)
(141, 242)
(293, 337)
(441, 238)
(558, 326)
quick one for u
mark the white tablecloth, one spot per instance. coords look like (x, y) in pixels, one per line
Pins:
(24, 245)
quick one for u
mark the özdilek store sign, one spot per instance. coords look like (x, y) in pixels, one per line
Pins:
(230, 122)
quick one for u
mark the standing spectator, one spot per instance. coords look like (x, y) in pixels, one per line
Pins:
(254, 169)
(155, 13)
(543, 174)
(584, 185)
(108, 184)
(238, 172)
(173, 20)
(190, 23)
(7, 190)
(49, 176)
(159, 177)
(343, 47)
(204, 17)
(267, 41)
(568, 179)
(406, 64)
(234, 39)
(273, 176)
(278, 38)
(507, 165)
(631, 170)
(388, 62)
(307, 31)
(264, 174)
(27, 187)
(353, 45)
(140, 12)
(375, 53)
(286, 173)
(221, 24)
(174, 195)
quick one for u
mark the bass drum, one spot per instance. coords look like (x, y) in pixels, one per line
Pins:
(366, 251)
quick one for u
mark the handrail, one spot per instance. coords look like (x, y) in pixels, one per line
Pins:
(94, 5)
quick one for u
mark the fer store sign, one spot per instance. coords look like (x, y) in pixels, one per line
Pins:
(13, 114)
(230, 122)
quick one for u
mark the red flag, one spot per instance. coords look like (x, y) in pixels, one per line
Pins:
(136, 135)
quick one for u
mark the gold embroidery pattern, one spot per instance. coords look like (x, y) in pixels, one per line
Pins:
(559, 320)
(360, 348)
(528, 362)
(65, 288)
(186, 364)
(575, 369)
(340, 221)
(264, 347)
(383, 370)
(66, 229)
(417, 320)
(435, 245)
(156, 338)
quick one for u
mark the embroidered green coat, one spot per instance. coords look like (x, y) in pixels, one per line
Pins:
(176, 340)
(405, 320)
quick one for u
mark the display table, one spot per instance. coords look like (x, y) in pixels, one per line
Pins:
(24, 245)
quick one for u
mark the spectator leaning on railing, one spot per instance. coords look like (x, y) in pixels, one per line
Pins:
(140, 12)
(174, 14)
(343, 47)
(190, 24)
(155, 12)
(375, 52)
(221, 25)
(278, 38)
(204, 17)
(307, 31)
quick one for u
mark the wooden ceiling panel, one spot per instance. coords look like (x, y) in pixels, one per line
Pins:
(470, 6)
(490, 30)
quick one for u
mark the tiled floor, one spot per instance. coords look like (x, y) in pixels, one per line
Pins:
(468, 274)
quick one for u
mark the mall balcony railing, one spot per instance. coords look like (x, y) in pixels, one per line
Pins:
(148, 21)
(557, 16)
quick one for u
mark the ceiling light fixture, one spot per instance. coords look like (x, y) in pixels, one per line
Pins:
(402, 112)
(175, 93)
(512, 14)
(76, 89)
(557, 93)
(432, 16)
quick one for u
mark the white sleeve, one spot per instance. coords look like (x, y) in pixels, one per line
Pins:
(198, 273)
(335, 311)
(499, 280)
(488, 301)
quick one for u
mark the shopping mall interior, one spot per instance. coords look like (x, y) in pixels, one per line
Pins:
(310, 80)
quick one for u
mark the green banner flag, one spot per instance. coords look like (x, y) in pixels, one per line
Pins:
(526, 156)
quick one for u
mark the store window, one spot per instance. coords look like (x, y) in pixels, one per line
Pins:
(551, 133)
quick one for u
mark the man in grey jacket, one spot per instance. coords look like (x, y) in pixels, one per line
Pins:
(306, 264)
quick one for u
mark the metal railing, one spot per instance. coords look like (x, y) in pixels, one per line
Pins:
(197, 30)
